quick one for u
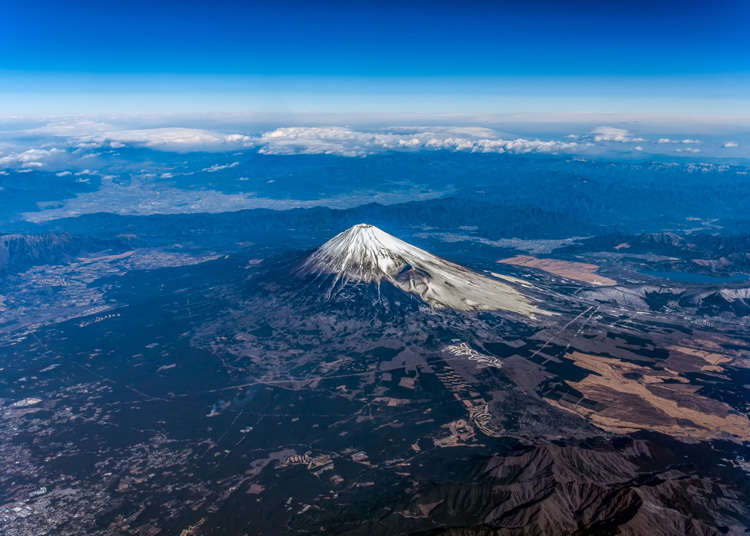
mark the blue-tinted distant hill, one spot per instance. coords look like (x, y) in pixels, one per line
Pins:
(502, 195)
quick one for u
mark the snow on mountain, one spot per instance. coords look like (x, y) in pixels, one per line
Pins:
(366, 254)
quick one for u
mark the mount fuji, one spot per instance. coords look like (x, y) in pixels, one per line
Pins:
(365, 254)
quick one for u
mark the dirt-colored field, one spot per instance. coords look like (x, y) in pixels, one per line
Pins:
(578, 271)
(460, 434)
(650, 403)
(707, 361)
(409, 383)
(391, 402)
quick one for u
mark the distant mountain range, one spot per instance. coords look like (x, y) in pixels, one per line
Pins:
(20, 251)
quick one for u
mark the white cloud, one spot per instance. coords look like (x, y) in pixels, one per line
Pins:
(619, 135)
(83, 128)
(175, 139)
(730, 145)
(219, 167)
(31, 158)
(686, 141)
(237, 138)
(687, 150)
(638, 148)
(347, 142)
(87, 134)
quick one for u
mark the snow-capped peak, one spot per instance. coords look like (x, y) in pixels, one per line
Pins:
(362, 253)
(366, 254)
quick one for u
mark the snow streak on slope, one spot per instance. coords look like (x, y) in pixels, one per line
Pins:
(366, 254)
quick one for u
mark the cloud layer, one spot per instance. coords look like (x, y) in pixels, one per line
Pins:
(92, 133)
(80, 144)
(348, 142)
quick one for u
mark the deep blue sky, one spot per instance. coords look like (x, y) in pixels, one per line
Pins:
(693, 52)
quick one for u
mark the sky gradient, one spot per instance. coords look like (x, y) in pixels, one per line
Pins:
(669, 58)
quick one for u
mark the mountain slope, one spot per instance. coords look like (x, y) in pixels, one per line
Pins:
(366, 254)
(21, 251)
